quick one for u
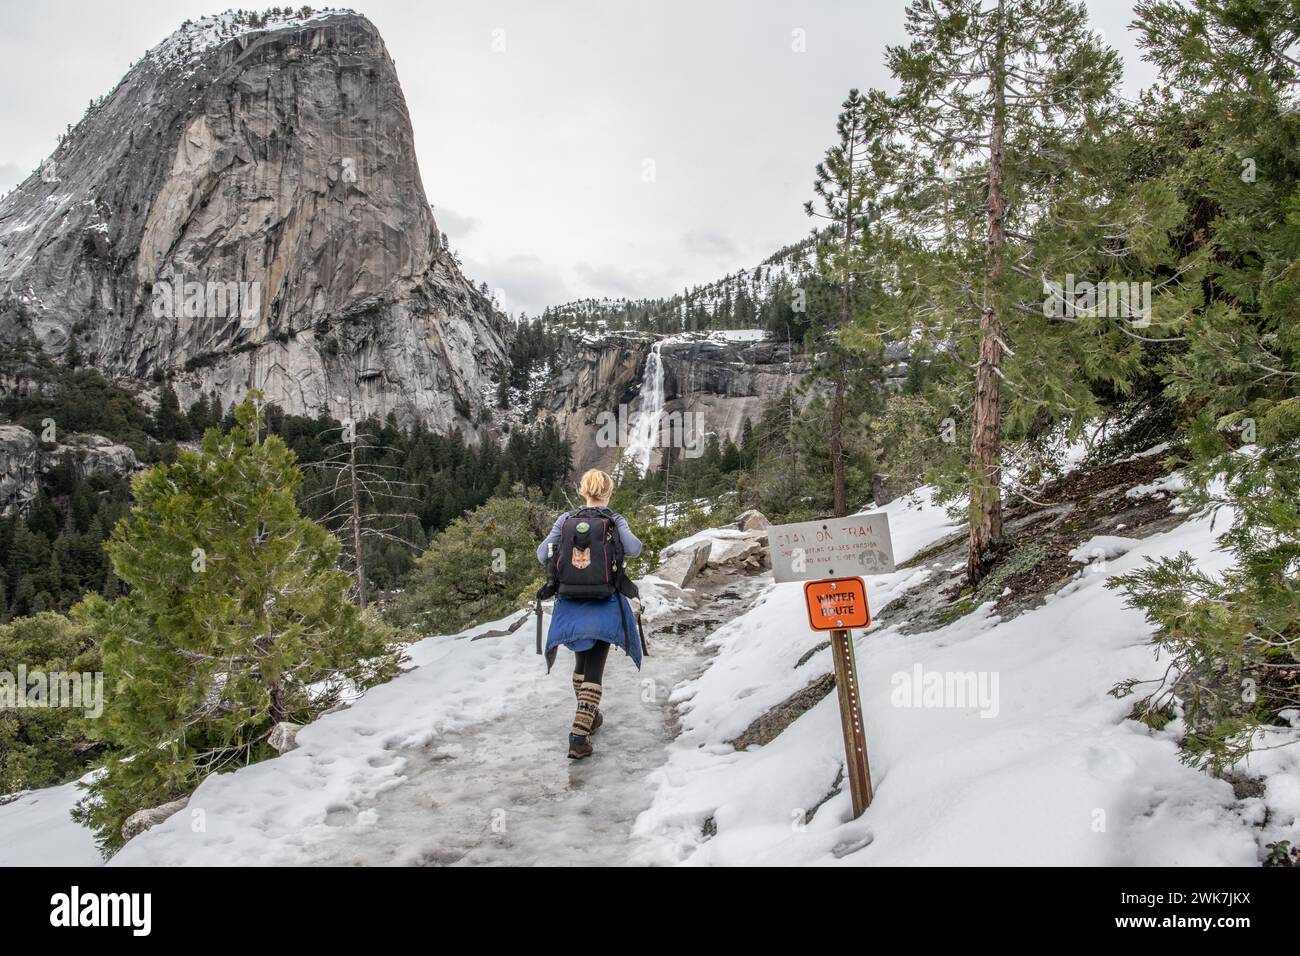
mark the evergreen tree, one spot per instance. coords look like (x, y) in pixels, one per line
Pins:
(482, 566)
(236, 619)
(844, 188)
(1002, 113)
(169, 423)
(1231, 133)
(43, 746)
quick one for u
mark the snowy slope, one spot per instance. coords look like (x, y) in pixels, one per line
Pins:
(36, 830)
(1051, 773)
(1044, 769)
(273, 812)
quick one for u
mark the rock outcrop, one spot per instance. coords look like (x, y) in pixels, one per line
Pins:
(722, 384)
(680, 568)
(244, 210)
(20, 467)
(23, 461)
(284, 737)
(92, 455)
(598, 375)
(150, 817)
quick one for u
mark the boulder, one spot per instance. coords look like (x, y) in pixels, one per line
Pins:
(284, 737)
(143, 820)
(94, 455)
(753, 520)
(682, 567)
(738, 553)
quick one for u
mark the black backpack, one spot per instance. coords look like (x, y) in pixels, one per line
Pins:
(587, 565)
(588, 561)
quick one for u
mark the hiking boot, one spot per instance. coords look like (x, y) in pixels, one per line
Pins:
(595, 724)
(579, 747)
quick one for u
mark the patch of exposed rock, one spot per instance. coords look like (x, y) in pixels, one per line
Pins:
(681, 567)
(770, 725)
(721, 384)
(150, 817)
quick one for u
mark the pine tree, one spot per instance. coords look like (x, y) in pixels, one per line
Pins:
(844, 188)
(1233, 135)
(236, 619)
(479, 568)
(1002, 114)
(169, 423)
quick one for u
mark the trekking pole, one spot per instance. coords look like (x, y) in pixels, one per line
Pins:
(539, 625)
(550, 554)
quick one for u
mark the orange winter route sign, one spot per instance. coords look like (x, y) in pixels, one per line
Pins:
(831, 547)
(837, 604)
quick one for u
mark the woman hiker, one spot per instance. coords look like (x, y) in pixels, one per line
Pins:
(583, 555)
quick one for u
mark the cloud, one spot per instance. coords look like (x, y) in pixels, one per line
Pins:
(605, 279)
(521, 283)
(11, 175)
(708, 242)
(453, 223)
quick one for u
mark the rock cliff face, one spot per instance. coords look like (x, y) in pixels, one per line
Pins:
(723, 384)
(720, 383)
(598, 376)
(244, 210)
(23, 461)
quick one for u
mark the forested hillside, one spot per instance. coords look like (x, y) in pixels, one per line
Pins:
(761, 297)
(51, 551)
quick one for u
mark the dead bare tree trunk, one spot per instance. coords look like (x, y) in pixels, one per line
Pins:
(356, 524)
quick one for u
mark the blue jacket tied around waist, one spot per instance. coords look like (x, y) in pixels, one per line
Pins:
(578, 625)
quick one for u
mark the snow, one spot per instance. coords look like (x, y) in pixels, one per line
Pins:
(1103, 546)
(916, 521)
(1154, 450)
(276, 811)
(716, 335)
(1019, 756)
(1171, 484)
(739, 335)
(197, 37)
(717, 537)
(36, 830)
(1058, 776)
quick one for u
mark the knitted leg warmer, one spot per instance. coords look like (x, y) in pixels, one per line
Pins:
(588, 706)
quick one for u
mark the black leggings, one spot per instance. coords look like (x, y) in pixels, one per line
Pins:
(591, 664)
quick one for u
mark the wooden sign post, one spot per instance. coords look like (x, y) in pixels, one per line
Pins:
(836, 605)
(823, 554)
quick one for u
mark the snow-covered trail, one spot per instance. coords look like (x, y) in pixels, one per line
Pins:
(502, 791)
(462, 760)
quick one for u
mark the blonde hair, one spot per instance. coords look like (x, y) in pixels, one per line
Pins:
(596, 485)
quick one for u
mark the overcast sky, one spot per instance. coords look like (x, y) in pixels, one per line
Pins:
(569, 148)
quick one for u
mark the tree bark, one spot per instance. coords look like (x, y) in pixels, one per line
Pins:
(841, 500)
(837, 443)
(986, 426)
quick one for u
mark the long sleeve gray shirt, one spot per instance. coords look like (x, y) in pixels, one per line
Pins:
(631, 543)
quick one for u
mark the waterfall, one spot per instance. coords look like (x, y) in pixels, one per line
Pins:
(643, 434)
